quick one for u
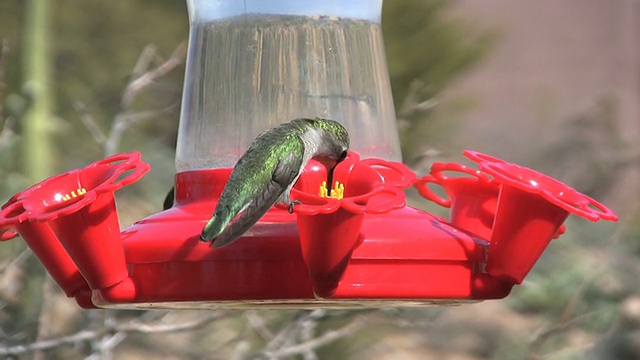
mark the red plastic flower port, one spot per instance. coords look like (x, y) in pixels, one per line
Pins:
(517, 209)
(329, 227)
(533, 182)
(472, 196)
(70, 222)
(531, 209)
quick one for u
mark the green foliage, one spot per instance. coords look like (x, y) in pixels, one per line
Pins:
(427, 49)
(576, 289)
(424, 43)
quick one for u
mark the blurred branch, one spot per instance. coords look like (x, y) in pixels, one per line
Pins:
(16, 261)
(286, 332)
(536, 348)
(413, 102)
(411, 113)
(307, 335)
(298, 337)
(326, 338)
(145, 328)
(147, 78)
(143, 75)
(124, 121)
(90, 123)
(257, 324)
(118, 329)
(45, 318)
(11, 274)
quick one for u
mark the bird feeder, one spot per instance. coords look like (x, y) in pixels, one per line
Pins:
(355, 243)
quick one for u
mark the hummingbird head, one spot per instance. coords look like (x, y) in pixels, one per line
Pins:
(334, 141)
(333, 144)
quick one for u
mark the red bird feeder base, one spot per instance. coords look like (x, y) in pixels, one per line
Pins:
(362, 247)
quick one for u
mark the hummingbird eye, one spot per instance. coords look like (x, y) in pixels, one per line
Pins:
(343, 155)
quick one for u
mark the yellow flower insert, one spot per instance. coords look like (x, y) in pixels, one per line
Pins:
(337, 192)
(74, 194)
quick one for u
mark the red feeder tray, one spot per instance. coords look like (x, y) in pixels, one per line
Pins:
(366, 248)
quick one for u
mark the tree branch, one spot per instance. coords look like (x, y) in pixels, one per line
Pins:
(127, 327)
(284, 334)
(123, 121)
(324, 339)
(142, 78)
(135, 87)
(257, 324)
(90, 123)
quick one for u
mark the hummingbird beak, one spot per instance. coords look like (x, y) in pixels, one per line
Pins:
(332, 167)
(330, 176)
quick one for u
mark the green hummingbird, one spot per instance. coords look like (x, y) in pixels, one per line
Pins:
(268, 170)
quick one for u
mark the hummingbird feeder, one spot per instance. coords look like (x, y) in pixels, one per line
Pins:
(355, 243)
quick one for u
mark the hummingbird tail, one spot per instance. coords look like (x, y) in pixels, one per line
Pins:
(213, 229)
(248, 216)
(236, 228)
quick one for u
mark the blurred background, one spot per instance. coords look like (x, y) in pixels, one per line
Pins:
(550, 85)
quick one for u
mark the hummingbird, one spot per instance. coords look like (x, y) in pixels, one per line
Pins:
(267, 171)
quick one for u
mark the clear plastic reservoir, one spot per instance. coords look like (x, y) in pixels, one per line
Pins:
(255, 64)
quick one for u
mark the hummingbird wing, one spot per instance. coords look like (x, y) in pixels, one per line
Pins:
(284, 174)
